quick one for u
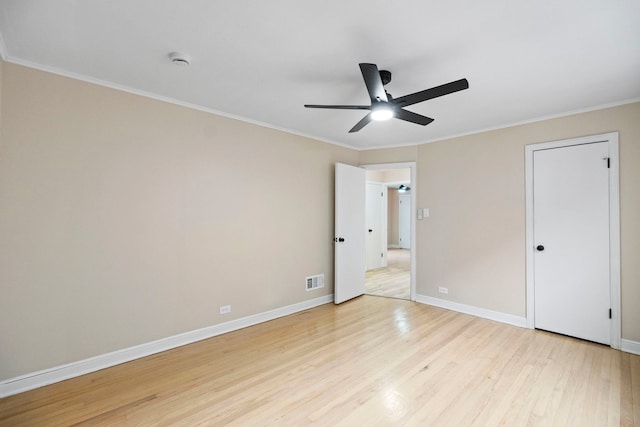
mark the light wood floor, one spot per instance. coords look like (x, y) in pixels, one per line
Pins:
(368, 362)
(394, 280)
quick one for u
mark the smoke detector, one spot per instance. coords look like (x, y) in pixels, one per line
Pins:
(180, 59)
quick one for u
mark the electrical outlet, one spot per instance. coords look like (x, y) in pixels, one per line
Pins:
(443, 290)
(224, 309)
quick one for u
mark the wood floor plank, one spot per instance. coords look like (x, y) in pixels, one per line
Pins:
(394, 280)
(370, 361)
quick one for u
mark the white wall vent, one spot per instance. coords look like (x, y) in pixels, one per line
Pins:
(315, 282)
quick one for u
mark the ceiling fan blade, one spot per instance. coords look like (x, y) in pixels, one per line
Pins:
(340, 107)
(434, 92)
(373, 81)
(362, 123)
(412, 117)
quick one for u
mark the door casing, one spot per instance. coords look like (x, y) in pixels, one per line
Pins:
(614, 225)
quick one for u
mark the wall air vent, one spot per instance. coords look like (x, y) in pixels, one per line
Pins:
(315, 282)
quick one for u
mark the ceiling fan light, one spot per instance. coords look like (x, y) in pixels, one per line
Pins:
(382, 113)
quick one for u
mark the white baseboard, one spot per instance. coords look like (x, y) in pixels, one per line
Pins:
(629, 346)
(60, 373)
(474, 311)
(393, 246)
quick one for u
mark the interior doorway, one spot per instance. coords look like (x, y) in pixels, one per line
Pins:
(390, 268)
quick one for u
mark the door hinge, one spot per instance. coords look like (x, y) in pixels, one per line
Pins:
(608, 159)
(609, 313)
(381, 255)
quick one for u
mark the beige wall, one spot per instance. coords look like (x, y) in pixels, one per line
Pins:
(473, 242)
(393, 208)
(375, 176)
(396, 175)
(389, 155)
(125, 219)
(389, 175)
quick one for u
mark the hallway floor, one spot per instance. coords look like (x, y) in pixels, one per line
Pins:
(394, 281)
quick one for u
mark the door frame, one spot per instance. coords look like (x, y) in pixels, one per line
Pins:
(414, 190)
(614, 224)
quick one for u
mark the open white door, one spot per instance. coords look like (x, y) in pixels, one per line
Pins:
(404, 221)
(350, 233)
(376, 219)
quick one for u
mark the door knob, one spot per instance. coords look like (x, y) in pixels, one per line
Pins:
(370, 231)
(539, 248)
(339, 239)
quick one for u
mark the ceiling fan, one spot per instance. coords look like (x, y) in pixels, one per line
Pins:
(384, 106)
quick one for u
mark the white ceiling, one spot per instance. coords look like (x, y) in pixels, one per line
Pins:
(260, 61)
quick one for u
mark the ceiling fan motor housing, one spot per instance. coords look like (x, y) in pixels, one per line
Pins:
(385, 76)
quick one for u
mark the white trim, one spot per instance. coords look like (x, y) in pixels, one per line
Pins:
(104, 83)
(507, 125)
(60, 373)
(614, 224)
(162, 98)
(534, 120)
(614, 240)
(414, 190)
(509, 319)
(3, 49)
(630, 346)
